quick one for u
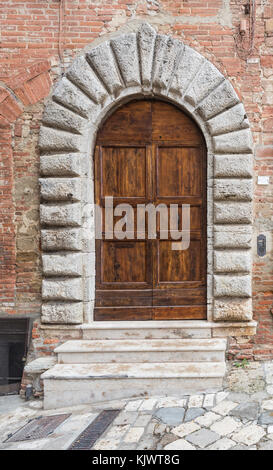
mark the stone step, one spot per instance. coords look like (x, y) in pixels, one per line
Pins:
(75, 384)
(141, 350)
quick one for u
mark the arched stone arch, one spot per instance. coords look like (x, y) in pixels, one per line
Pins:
(141, 63)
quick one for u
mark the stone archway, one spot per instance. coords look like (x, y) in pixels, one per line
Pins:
(141, 63)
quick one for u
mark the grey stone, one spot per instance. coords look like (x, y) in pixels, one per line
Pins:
(232, 310)
(233, 142)
(233, 190)
(233, 165)
(266, 418)
(232, 236)
(67, 214)
(102, 59)
(60, 189)
(170, 416)
(187, 67)
(61, 165)
(232, 286)
(231, 120)
(203, 438)
(167, 55)
(125, 49)
(193, 413)
(219, 99)
(56, 115)
(82, 75)
(146, 40)
(240, 447)
(232, 212)
(71, 96)
(232, 261)
(69, 264)
(266, 445)
(247, 410)
(59, 239)
(51, 140)
(62, 289)
(204, 82)
(62, 313)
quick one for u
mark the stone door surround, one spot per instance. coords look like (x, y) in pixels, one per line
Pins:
(136, 64)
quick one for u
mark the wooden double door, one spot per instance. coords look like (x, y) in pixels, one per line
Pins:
(149, 152)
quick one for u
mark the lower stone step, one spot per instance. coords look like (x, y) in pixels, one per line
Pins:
(75, 384)
(141, 350)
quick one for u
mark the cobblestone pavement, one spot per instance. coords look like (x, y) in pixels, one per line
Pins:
(239, 417)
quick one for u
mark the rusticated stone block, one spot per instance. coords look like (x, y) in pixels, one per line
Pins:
(125, 49)
(232, 213)
(233, 190)
(60, 189)
(232, 261)
(167, 52)
(62, 313)
(61, 165)
(56, 115)
(219, 99)
(62, 289)
(233, 166)
(204, 82)
(66, 214)
(71, 96)
(233, 142)
(232, 286)
(146, 41)
(58, 239)
(63, 264)
(51, 140)
(232, 310)
(102, 59)
(188, 65)
(82, 75)
(231, 120)
(232, 236)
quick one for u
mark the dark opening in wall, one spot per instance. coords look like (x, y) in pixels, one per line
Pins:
(14, 338)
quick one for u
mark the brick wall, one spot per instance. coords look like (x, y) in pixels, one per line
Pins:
(39, 39)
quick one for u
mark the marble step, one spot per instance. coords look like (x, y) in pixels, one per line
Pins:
(75, 384)
(141, 350)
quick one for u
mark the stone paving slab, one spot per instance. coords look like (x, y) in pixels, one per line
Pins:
(228, 420)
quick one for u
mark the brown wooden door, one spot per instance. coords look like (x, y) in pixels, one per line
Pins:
(150, 152)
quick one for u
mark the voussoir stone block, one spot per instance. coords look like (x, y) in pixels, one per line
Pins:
(233, 212)
(62, 289)
(233, 119)
(71, 96)
(233, 142)
(188, 65)
(68, 264)
(219, 99)
(146, 40)
(69, 164)
(102, 59)
(62, 312)
(56, 115)
(82, 75)
(60, 189)
(204, 82)
(61, 239)
(232, 310)
(233, 166)
(232, 286)
(232, 236)
(167, 53)
(233, 189)
(62, 215)
(232, 261)
(51, 140)
(126, 52)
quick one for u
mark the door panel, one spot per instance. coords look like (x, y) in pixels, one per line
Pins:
(150, 152)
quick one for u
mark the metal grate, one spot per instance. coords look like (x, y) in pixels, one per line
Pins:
(38, 428)
(90, 435)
